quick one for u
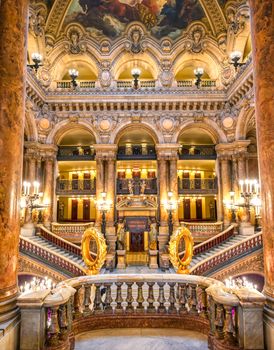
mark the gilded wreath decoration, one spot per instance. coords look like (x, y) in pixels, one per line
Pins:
(94, 262)
(181, 264)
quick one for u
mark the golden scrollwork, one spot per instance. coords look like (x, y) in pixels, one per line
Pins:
(94, 262)
(181, 264)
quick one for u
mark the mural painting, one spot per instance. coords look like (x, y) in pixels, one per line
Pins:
(110, 17)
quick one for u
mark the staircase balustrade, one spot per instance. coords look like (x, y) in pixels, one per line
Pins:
(116, 301)
(47, 256)
(217, 260)
(203, 230)
(70, 232)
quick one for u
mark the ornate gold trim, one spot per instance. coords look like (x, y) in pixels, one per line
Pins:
(94, 263)
(181, 264)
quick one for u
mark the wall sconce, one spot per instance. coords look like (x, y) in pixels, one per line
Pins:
(235, 57)
(198, 74)
(103, 205)
(73, 74)
(170, 206)
(136, 72)
(37, 59)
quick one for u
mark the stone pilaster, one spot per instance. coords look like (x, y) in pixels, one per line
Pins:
(13, 49)
(262, 26)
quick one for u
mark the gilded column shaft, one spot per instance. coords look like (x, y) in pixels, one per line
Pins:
(13, 34)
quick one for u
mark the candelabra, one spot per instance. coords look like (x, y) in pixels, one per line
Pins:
(37, 59)
(136, 74)
(239, 283)
(103, 205)
(231, 205)
(198, 74)
(74, 75)
(170, 206)
(235, 57)
(36, 285)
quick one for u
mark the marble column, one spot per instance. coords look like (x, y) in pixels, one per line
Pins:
(262, 27)
(162, 175)
(99, 186)
(110, 185)
(235, 184)
(13, 36)
(31, 171)
(226, 185)
(173, 185)
(48, 190)
(242, 167)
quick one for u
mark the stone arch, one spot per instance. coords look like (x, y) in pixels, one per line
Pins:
(244, 119)
(120, 131)
(30, 129)
(63, 127)
(209, 126)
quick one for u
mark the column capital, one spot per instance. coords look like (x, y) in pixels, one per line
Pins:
(167, 151)
(105, 151)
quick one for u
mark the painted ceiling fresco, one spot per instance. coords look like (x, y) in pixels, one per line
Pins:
(110, 17)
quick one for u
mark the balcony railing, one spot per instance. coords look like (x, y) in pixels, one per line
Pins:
(136, 152)
(191, 83)
(155, 300)
(198, 186)
(137, 186)
(197, 152)
(75, 153)
(70, 232)
(202, 231)
(83, 84)
(66, 187)
(128, 84)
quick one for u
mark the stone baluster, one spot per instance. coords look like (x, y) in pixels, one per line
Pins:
(172, 299)
(108, 299)
(204, 310)
(98, 298)
(70, 311)
(219, 321)
(76, 305)
(161, 297)
(63, 322)
(193, 296)
(182, 298)
(229, 325)
(87, 310)
(150, 298)
(129, 299)
(53, 329)
(140, 296)
(212, 321)
(119, 298)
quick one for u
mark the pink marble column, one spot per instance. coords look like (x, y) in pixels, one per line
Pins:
(99, 186)
(31, 171)
(226, 185)
(242, 168)
(48, 190)
(174, 187)
(162, 174)
(111, 190)
(13, 36)
(262, 25)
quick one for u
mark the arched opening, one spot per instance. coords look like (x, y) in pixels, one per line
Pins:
(197, 176)
(76, 182)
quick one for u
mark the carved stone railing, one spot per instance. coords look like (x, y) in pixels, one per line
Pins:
(235, 251)
(75, 153)
(191, 83)
(202, 231)
(83, 84)
(70, 232)
(85, 186)
(173, 301)
(198, 186)
(137, 186)
(128, 84)
(136, 152)
(55, 260)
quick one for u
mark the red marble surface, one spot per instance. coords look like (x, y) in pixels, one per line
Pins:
(262, 24)
(13, 34)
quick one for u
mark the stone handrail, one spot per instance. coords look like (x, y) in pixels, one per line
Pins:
(153, 300)
(237, 249)
(53, 258)
(203, 231)
(71, 232)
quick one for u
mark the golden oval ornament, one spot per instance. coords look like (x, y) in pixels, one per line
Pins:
(93, 263)
(181, 264)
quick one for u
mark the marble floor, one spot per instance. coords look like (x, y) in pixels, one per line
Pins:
(141, 338)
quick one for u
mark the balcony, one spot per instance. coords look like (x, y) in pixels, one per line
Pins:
(197, 152)
(141, 152)
(137, 186)
(190, 83)
(75, 153)
(76, 187)
(198, 186)
(83, 84)
(128, 84)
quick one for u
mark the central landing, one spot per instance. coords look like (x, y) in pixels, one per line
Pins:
(141, 338)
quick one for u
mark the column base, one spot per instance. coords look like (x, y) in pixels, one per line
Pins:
(111, 241)
(10, 333)
(246, 229)
(28, 230)
(269, 322)
(121, 256)
(153, 259)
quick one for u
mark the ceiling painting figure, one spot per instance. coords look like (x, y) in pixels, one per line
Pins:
(110, 17)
